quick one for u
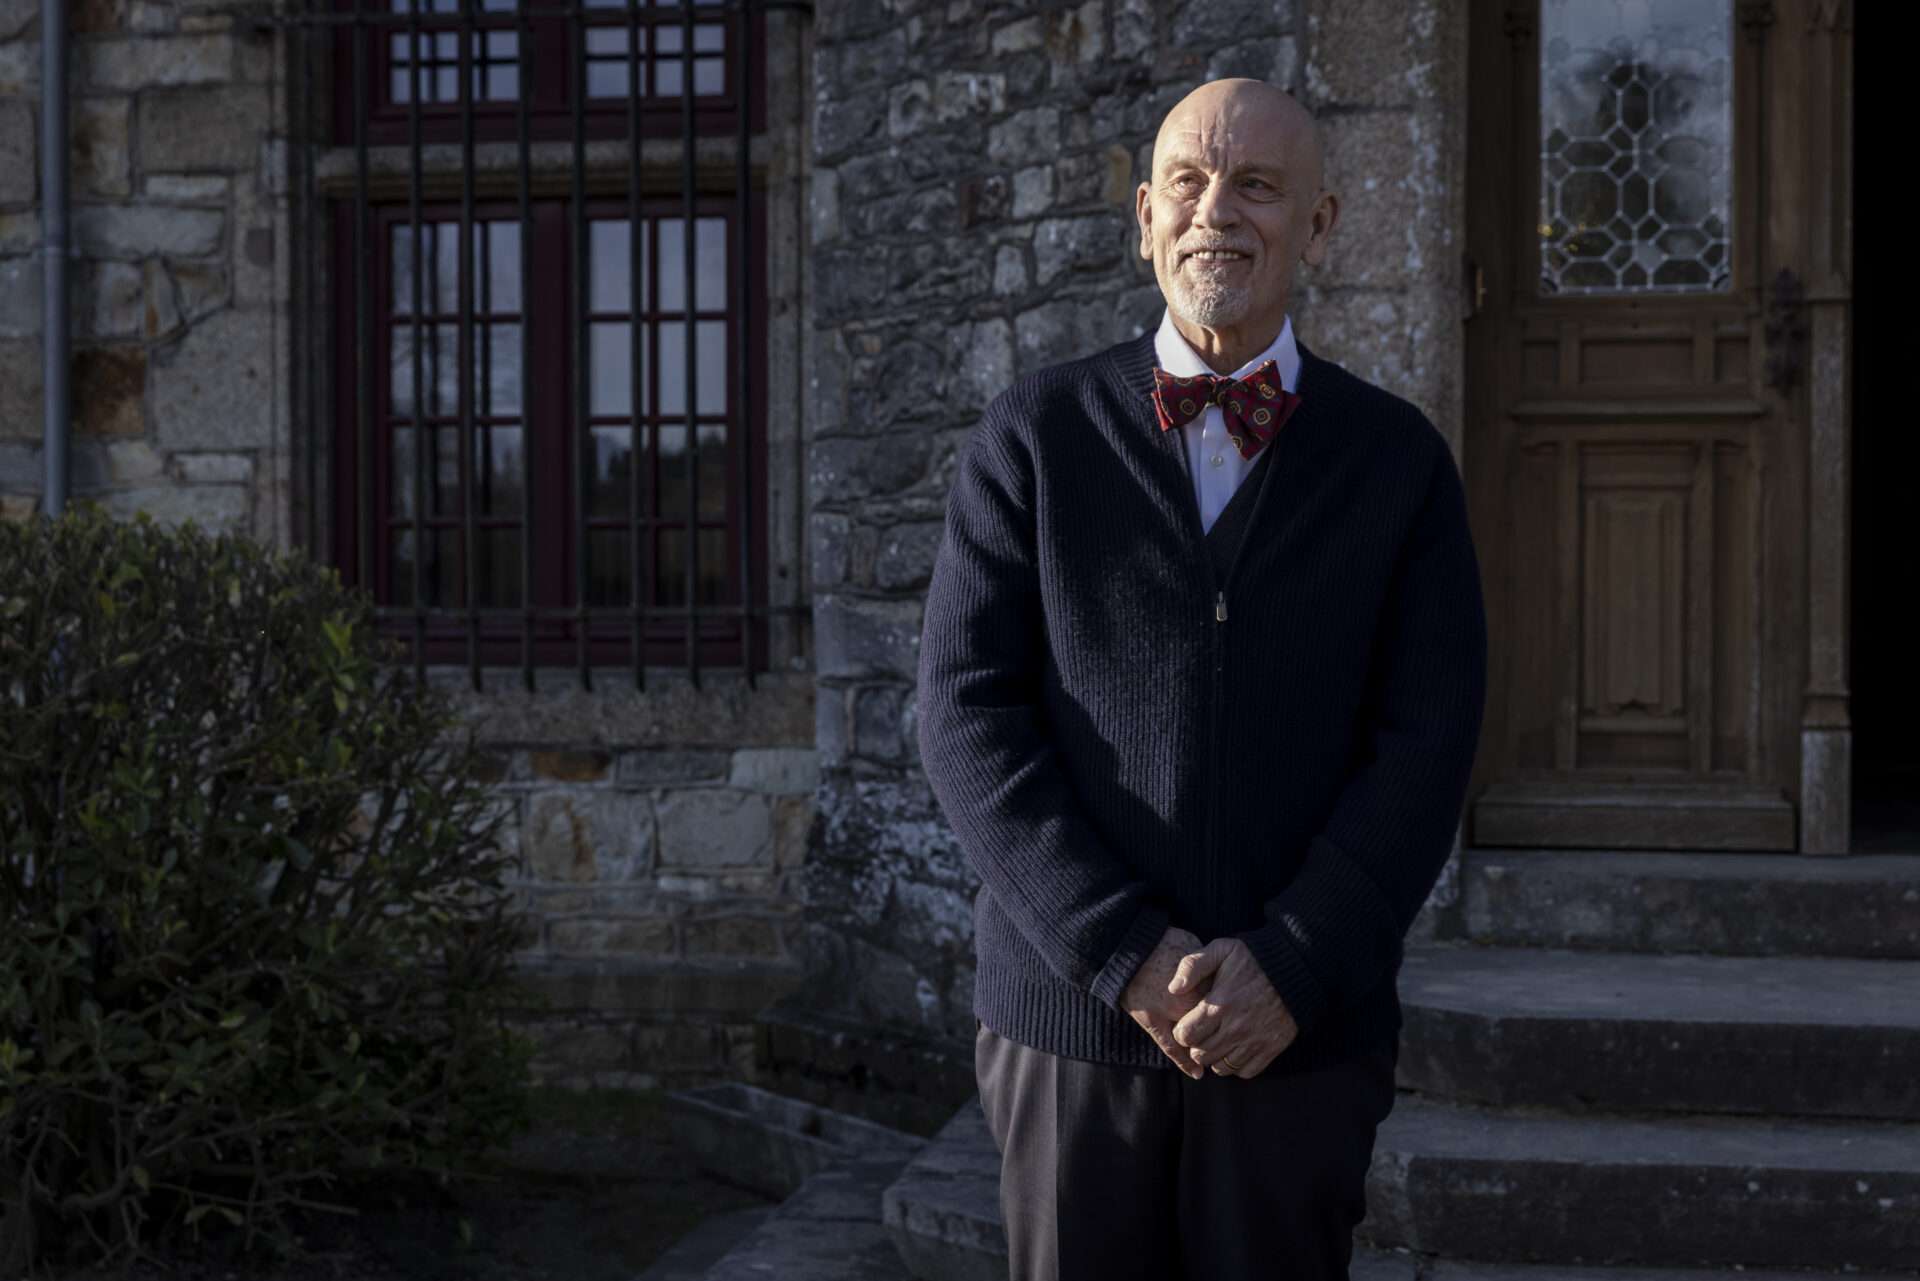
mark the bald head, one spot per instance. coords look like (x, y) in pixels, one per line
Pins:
(1262, 117)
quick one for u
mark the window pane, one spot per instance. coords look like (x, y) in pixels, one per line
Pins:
(439, 267)
(710, 369)
(439, 357)
(711, 580)
(498, 470)
(610, 268)
(498, 569)
(673, 471)
(497, 382)
(610, 370)
(440, 574)
(611, 472)
(710, 264)
(1636, 129)
(609, 567)
(442, 477)
(497, 289)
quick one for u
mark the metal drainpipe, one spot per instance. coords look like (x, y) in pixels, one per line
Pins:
(53, 216)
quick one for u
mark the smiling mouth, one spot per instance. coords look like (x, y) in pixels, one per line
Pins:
(1214, 256)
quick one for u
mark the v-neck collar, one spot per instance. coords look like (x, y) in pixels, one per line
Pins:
(1129, 370)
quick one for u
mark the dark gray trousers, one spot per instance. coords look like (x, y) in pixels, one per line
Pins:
(1112, 1173)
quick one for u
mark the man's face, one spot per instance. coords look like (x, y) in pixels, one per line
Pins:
(1234, 201)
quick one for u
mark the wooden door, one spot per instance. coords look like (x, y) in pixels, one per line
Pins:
(1635, 476)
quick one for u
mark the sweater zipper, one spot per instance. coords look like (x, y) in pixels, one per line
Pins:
(1210, 882)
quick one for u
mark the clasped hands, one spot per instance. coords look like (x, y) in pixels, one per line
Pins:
(1209, 1007)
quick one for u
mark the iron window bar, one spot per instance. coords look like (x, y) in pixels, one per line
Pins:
(370, 550)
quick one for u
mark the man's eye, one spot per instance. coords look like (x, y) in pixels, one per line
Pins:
(1185, 184)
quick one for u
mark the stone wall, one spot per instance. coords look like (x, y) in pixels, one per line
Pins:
(974, 171)
(178, 214)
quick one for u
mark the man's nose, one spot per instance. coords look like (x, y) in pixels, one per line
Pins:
(1216, 207)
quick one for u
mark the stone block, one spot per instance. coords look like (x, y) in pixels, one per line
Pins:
(715, 827)
(849, 469)
(646, 936)
(960, 94)
(131, 462)
(96, 17)
(792, 827)
(671, 765)
(904, 558)
(1275, 59)
(859, 637)
(1009, 272)
(824, 193)
(877, 723)
(200, 289)
(1208, 24)
(18, 506)
(19, 153)
(21, 300)
(1089, 244)
(210, 387)
(136, 231)
(188, 188)
(20, 384)
(588, 835)
(158, 16)
(213, 469)
(909, 108)
(16, 16)
(147, 61)
(201, 129)
(212, 507)
(776, 771)
(1025, 137)
(20, 67)
(1032, 191)
(1368, 52)
(844, 125)
(572, 766)
(582, 1049)
(97, 156)
(1373, 163)
(109, 391)
(732, 935)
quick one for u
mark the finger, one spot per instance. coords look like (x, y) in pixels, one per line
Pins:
(1163, 1037)
(1198, 1025)
(1193, 967)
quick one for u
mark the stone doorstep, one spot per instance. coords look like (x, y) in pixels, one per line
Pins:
(1862, 905)
(1686, 1191)
(769, 1142)
(1777, 1035)
(1494, 1186)
(829, 1230)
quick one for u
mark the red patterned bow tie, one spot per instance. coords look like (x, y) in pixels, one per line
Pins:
(1254, 407)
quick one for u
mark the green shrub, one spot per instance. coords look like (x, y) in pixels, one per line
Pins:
(253, 927)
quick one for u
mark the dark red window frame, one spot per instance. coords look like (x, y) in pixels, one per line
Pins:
(550, 108)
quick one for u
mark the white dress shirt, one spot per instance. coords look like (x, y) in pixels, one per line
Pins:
(1218, 467)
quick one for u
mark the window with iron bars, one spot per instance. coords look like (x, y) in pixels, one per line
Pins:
(548, 437)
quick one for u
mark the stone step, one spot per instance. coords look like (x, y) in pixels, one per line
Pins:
(1859, 905)
(828, 1230)
(943, 1211)
(1578, 1030)
(1693, 1191)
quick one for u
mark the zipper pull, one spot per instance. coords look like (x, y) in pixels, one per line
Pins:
(1220, 607)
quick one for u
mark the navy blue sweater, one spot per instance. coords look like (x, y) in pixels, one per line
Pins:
(1127, 727)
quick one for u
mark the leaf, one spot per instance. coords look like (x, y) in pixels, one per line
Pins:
(233, 1020)
(139, 1174)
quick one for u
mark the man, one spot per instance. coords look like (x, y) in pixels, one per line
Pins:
(1200, 686)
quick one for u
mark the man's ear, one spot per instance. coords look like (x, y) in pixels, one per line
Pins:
(1143, 213)
(1326, 212)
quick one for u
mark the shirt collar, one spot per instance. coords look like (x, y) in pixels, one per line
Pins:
(1177, 356)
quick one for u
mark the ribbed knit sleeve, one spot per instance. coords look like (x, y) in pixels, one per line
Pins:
(1339, 926)
(983, 738)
